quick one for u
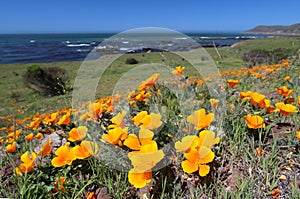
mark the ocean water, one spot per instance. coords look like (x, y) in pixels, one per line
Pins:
(35, 48)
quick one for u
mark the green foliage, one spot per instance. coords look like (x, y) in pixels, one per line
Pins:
(50, 81)
(263, 56)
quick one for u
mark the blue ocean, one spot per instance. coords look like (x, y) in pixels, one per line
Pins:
(35, 48)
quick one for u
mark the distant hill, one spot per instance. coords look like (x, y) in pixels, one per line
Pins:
(290, 30)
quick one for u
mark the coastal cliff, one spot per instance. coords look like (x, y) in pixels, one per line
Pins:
(285, 30)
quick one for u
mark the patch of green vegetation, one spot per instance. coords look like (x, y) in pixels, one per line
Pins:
(14, 95)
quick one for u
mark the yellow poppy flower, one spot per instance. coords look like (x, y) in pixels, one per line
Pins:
(232, 83)
(27, 163)
(200, 119)
(51, 119)
(151, 122)
(65, 119)
(65, 156)
(46, 149)
(186, 143)
(284, 91)
(39, 136)
(148, 83)
(255, 121)
(146, 158)
(298, 135)
(178, 71)
(257, 99)
(85, 150)
(207, 138)
(118, 120)
(11, 147)
(77, 134)
(59, 184)
(35, 123)
(197, 160)
(214, 102)
(286, 109)
(115, 135)
(29, 137)
(139, 179)
(135, 143)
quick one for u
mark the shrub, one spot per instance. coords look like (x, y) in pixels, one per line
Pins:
(50, 81)
(259, 56)
(131, 61)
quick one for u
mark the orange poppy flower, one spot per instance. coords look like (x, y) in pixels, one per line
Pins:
(118, 120)
(11, 147)
(186, 143)
(90, 195)
(64, 156)
(214, 102)
(65, 119)
(200, 119)
(46, 149)
(85, 150)
(257, 98)
(59, 184)
(259, 151)
(27, 163)
(151, 122)
(39, 136)
(286, 109)
(77, 134)
(287, 78)
(143, 161)
(298, 135)
(197, 160)
(142, 95)
(51, 119)
(254, 121)
(149, 82)
(275, 193)
(29, 137)
(139, 180)
(14, 135)
(135, 143)
(178, 71)
(146, 158)
(206, 138)
(232, 83)
(284, 91)
(35, 123)
(298, 100)
(116, 135)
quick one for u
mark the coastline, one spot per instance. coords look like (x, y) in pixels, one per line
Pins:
(272, 33)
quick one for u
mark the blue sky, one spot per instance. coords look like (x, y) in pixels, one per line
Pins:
(65, 16)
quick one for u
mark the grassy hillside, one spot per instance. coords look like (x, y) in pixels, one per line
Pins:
(15, 96)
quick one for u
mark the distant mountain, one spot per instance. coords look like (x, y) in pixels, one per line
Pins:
(290, 30)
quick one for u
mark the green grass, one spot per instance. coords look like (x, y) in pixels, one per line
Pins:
(237, 171)
(15, 96)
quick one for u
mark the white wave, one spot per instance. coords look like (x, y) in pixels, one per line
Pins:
(82, 50)
(183, 38)
(77, 45)
(125, 42)
(124, 49)
(100, 47)
(32, 41)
